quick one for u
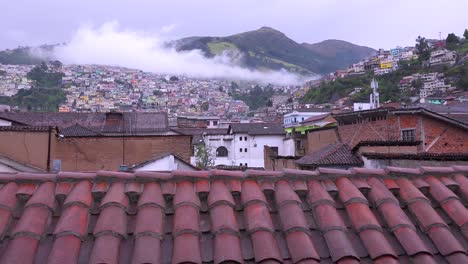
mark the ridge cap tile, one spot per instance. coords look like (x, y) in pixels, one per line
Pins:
(66, 175)
(190, 174)
(459, 168)
(152, 175)
(33, 176)
(437, 170)
(403, 171)
(227, 173)
(7, 177)
(104, 174)
(368, 171)
(300, 173)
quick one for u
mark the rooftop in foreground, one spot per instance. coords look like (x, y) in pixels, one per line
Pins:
(396, 215)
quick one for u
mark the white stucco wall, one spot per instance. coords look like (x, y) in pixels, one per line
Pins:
(167, 163)
(254, 157)
(5, 123)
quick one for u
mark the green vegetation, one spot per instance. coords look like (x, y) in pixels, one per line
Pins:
(23, 55)
(256, 97)
(217, 48)
(461, 73)
(45, 95)
(342, 87)
(203, 157)
(39, 99)
(44, 77)
(422, 49)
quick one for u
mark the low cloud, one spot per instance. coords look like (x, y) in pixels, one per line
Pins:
(111, 45)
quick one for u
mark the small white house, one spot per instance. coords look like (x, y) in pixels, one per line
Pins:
(243, 144)
(163, 162)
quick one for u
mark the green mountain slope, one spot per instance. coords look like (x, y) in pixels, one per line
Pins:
(25, 55)
(270, 49)
(342, 52)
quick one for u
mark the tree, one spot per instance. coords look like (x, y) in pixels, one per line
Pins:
(422, 48)
(157, 92)
(203, 157)
(44, 77)
(465, 34)
(451, 39)
(205, 106)
(174, 79)
(269, 103)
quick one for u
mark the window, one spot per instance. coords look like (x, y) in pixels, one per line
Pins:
(408, 135)
(215, 123)
(221, 152)
(246, 164)
(240, 150)
(240, 164)
(240, 138)
(245, 138)
(274, 151)
(245, 149)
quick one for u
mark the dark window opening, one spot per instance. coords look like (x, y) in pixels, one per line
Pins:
(245, 149)
(240, 150)
(221, 152)
(240, 138)
(408, 135)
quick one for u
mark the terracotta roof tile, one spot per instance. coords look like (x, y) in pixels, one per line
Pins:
(65, 250)
(325, 216)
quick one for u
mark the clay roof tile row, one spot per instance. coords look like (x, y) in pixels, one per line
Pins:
(343, 216)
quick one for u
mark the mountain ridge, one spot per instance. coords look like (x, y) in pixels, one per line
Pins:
(269, 48)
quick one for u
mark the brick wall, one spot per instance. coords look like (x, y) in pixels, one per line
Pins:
(108, 153)
(89, 154)
(443, 138)
(25, 147)
(320, 138)
(378, 130)
(277, 163)
(436, 135)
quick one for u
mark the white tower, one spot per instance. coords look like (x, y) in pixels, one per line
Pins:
(374, 96)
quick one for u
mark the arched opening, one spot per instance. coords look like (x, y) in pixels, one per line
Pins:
(221, 152)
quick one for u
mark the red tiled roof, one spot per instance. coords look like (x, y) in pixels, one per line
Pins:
(338, 154)
(397, 215)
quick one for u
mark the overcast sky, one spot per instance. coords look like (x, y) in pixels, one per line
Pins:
(374, 23)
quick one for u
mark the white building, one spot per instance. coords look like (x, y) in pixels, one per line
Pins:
(442, 56)
(243, 144)
(374, 99)
(296, 117)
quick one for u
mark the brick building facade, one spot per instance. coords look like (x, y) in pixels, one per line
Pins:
(435, 133)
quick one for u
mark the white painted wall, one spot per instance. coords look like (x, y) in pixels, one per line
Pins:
(167, 163)
(5, 168)
(254, 157)
(4, 122)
